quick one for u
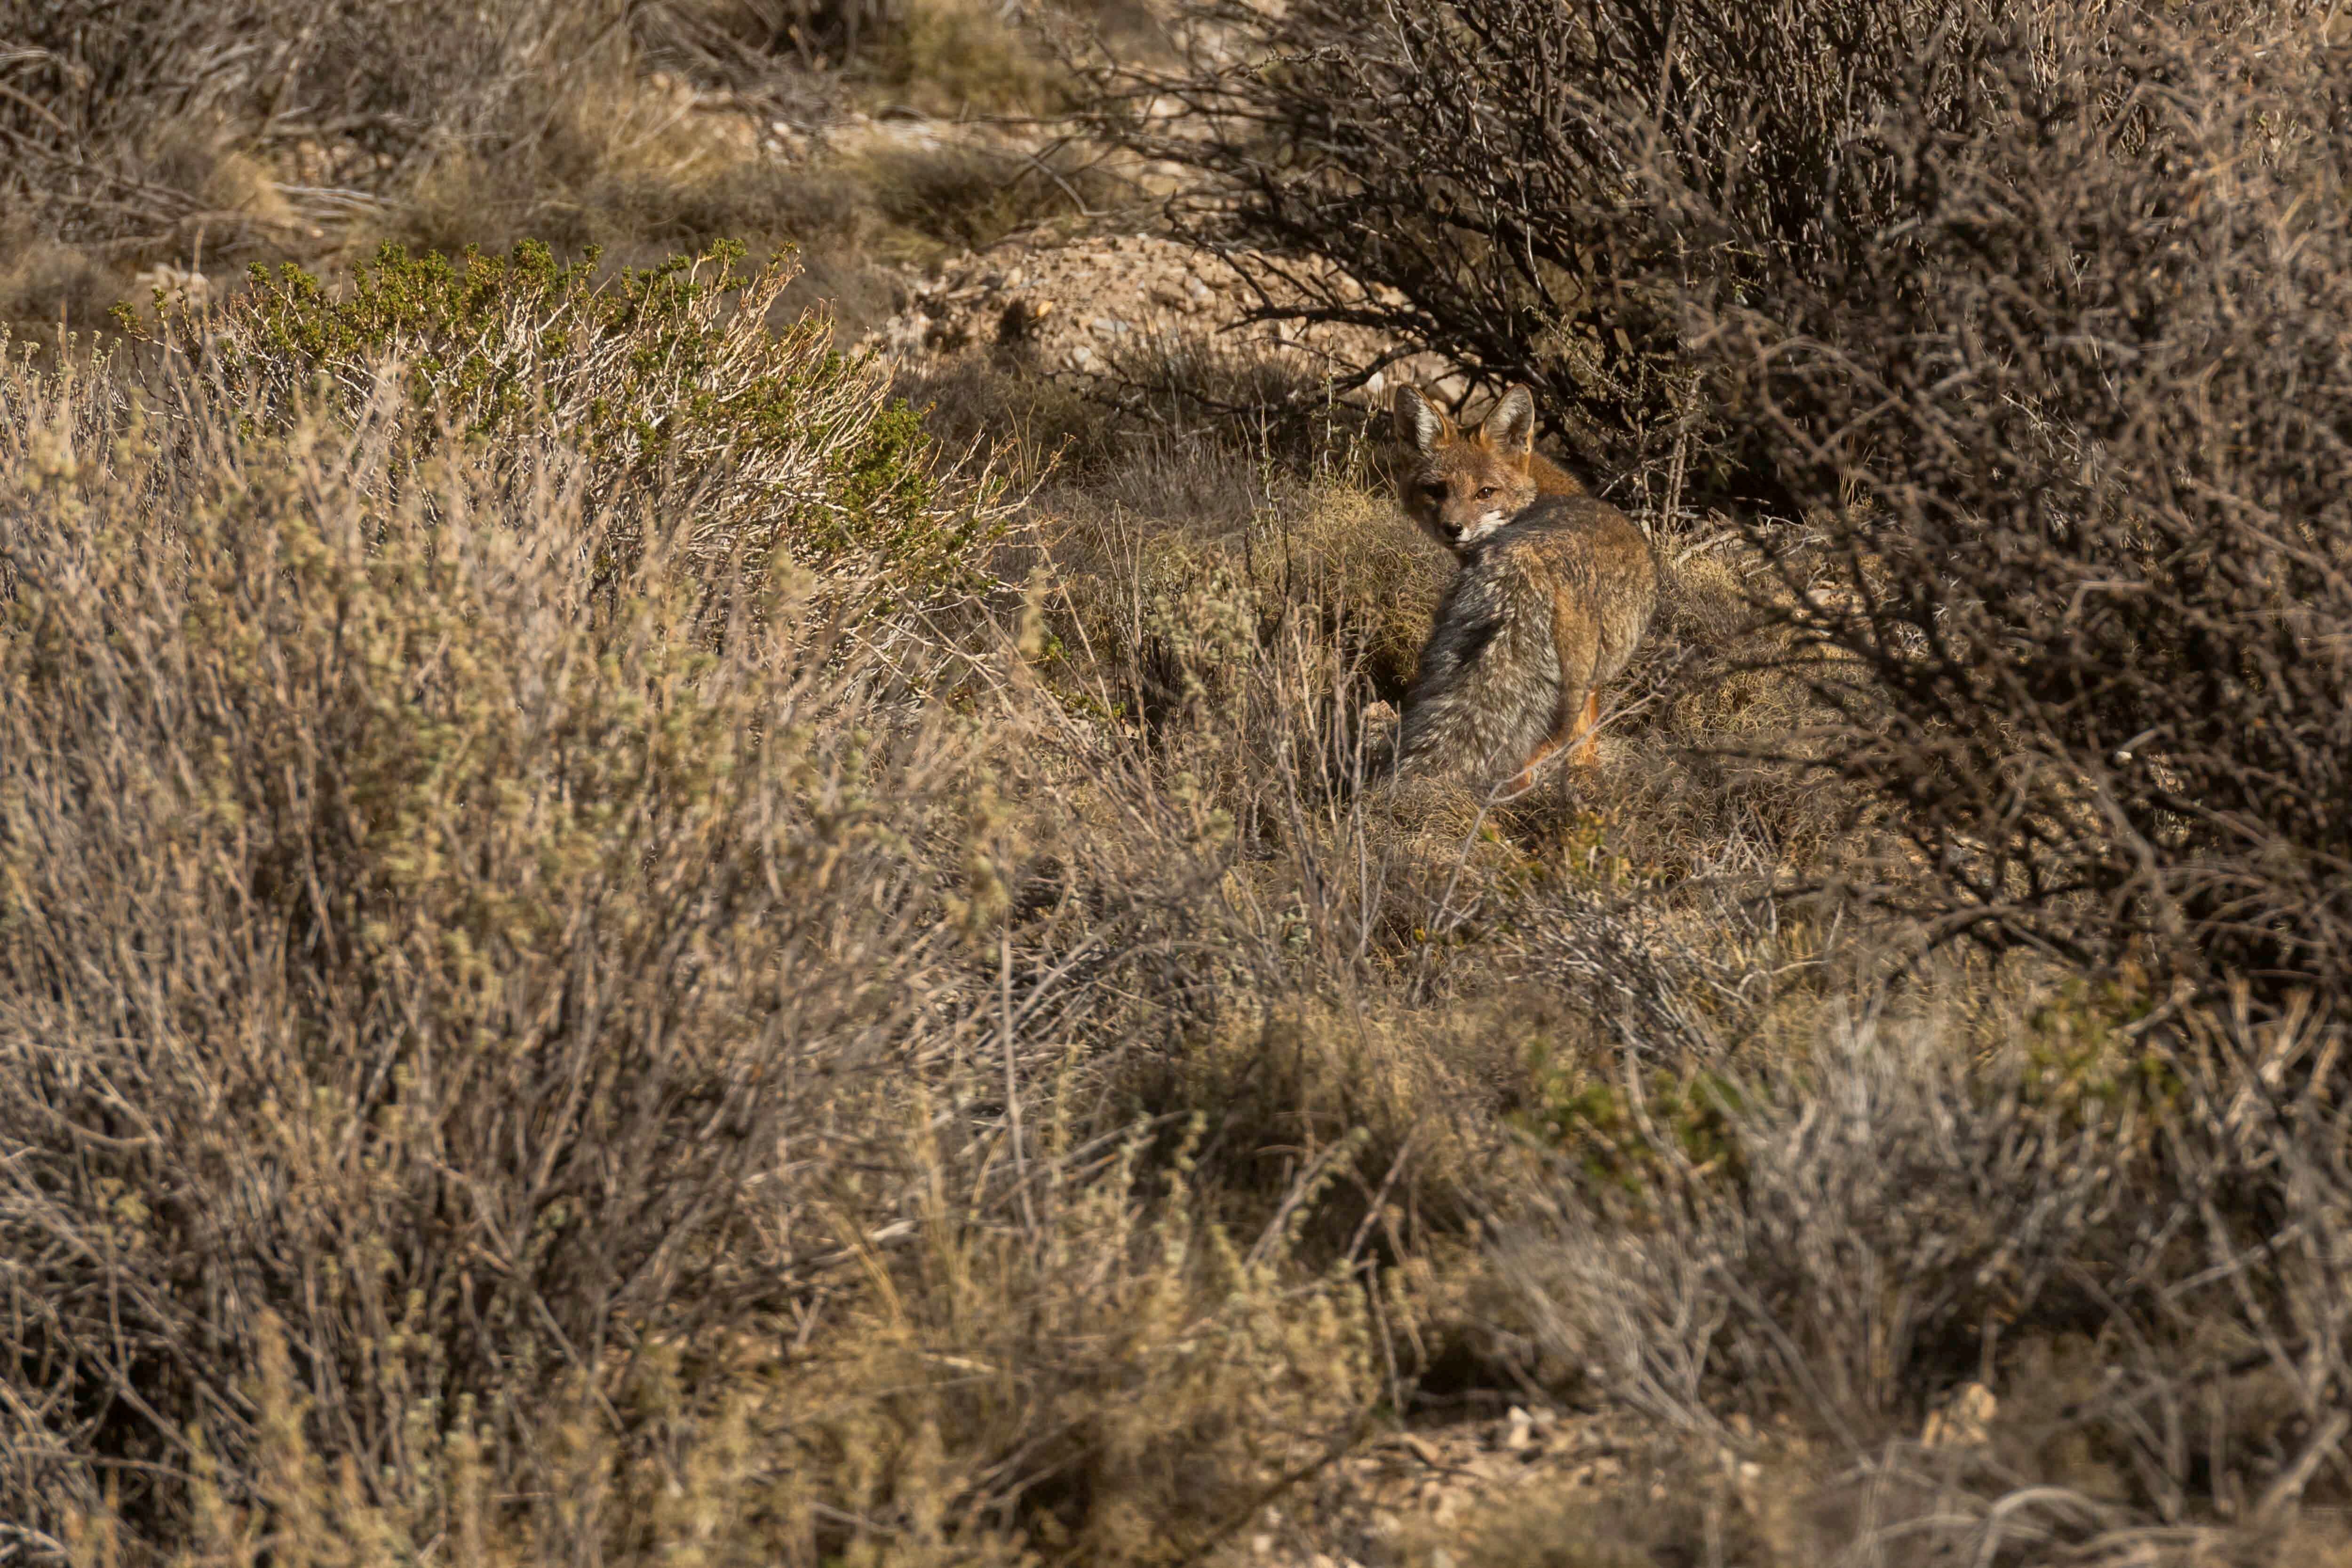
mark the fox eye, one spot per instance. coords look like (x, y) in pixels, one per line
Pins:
(1435, 492)
(1485, 492)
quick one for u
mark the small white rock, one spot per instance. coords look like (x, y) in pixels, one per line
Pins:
(1518, 1430)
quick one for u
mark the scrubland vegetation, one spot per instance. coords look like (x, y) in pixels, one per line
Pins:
(626, 937)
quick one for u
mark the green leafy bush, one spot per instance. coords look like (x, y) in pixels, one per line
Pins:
(667, 380)
(1616, 1134)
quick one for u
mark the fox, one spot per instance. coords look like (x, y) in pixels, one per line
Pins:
(1461, 484)
(1556, 590)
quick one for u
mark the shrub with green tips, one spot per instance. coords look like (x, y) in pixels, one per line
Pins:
(668, 380)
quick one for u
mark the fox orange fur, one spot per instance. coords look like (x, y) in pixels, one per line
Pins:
(1461, 483)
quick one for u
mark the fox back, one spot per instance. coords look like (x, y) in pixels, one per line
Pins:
(1546, 610)
(1460, 483)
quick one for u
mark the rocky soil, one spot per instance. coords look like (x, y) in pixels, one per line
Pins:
(1404, 1499)
(1400, 1500)
(1097, 309)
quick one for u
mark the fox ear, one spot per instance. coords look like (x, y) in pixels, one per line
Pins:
(1419, 424)
(1511, 424)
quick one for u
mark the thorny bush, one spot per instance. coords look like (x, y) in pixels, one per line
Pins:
(2039, 328)
(2079, 432)
(1486, 173)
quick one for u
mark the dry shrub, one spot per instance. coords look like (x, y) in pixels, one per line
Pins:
(530, 942)
(1797, 1185)
(125, 120)
(448, 957)
(2137, 1249)
(972, 195)
(2101, 616)
(1131, 1374)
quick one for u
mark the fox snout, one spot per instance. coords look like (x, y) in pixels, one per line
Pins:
(1456, 527)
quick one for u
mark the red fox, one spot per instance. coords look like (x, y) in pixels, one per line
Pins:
(1555, 591)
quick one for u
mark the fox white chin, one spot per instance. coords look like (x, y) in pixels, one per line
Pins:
(1480, 527)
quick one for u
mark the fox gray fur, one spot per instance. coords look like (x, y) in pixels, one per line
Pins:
(1547, 609)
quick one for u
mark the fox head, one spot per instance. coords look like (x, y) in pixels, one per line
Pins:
(1462, 485)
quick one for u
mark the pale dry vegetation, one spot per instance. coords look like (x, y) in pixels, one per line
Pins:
(617, 945)
(200, 138)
